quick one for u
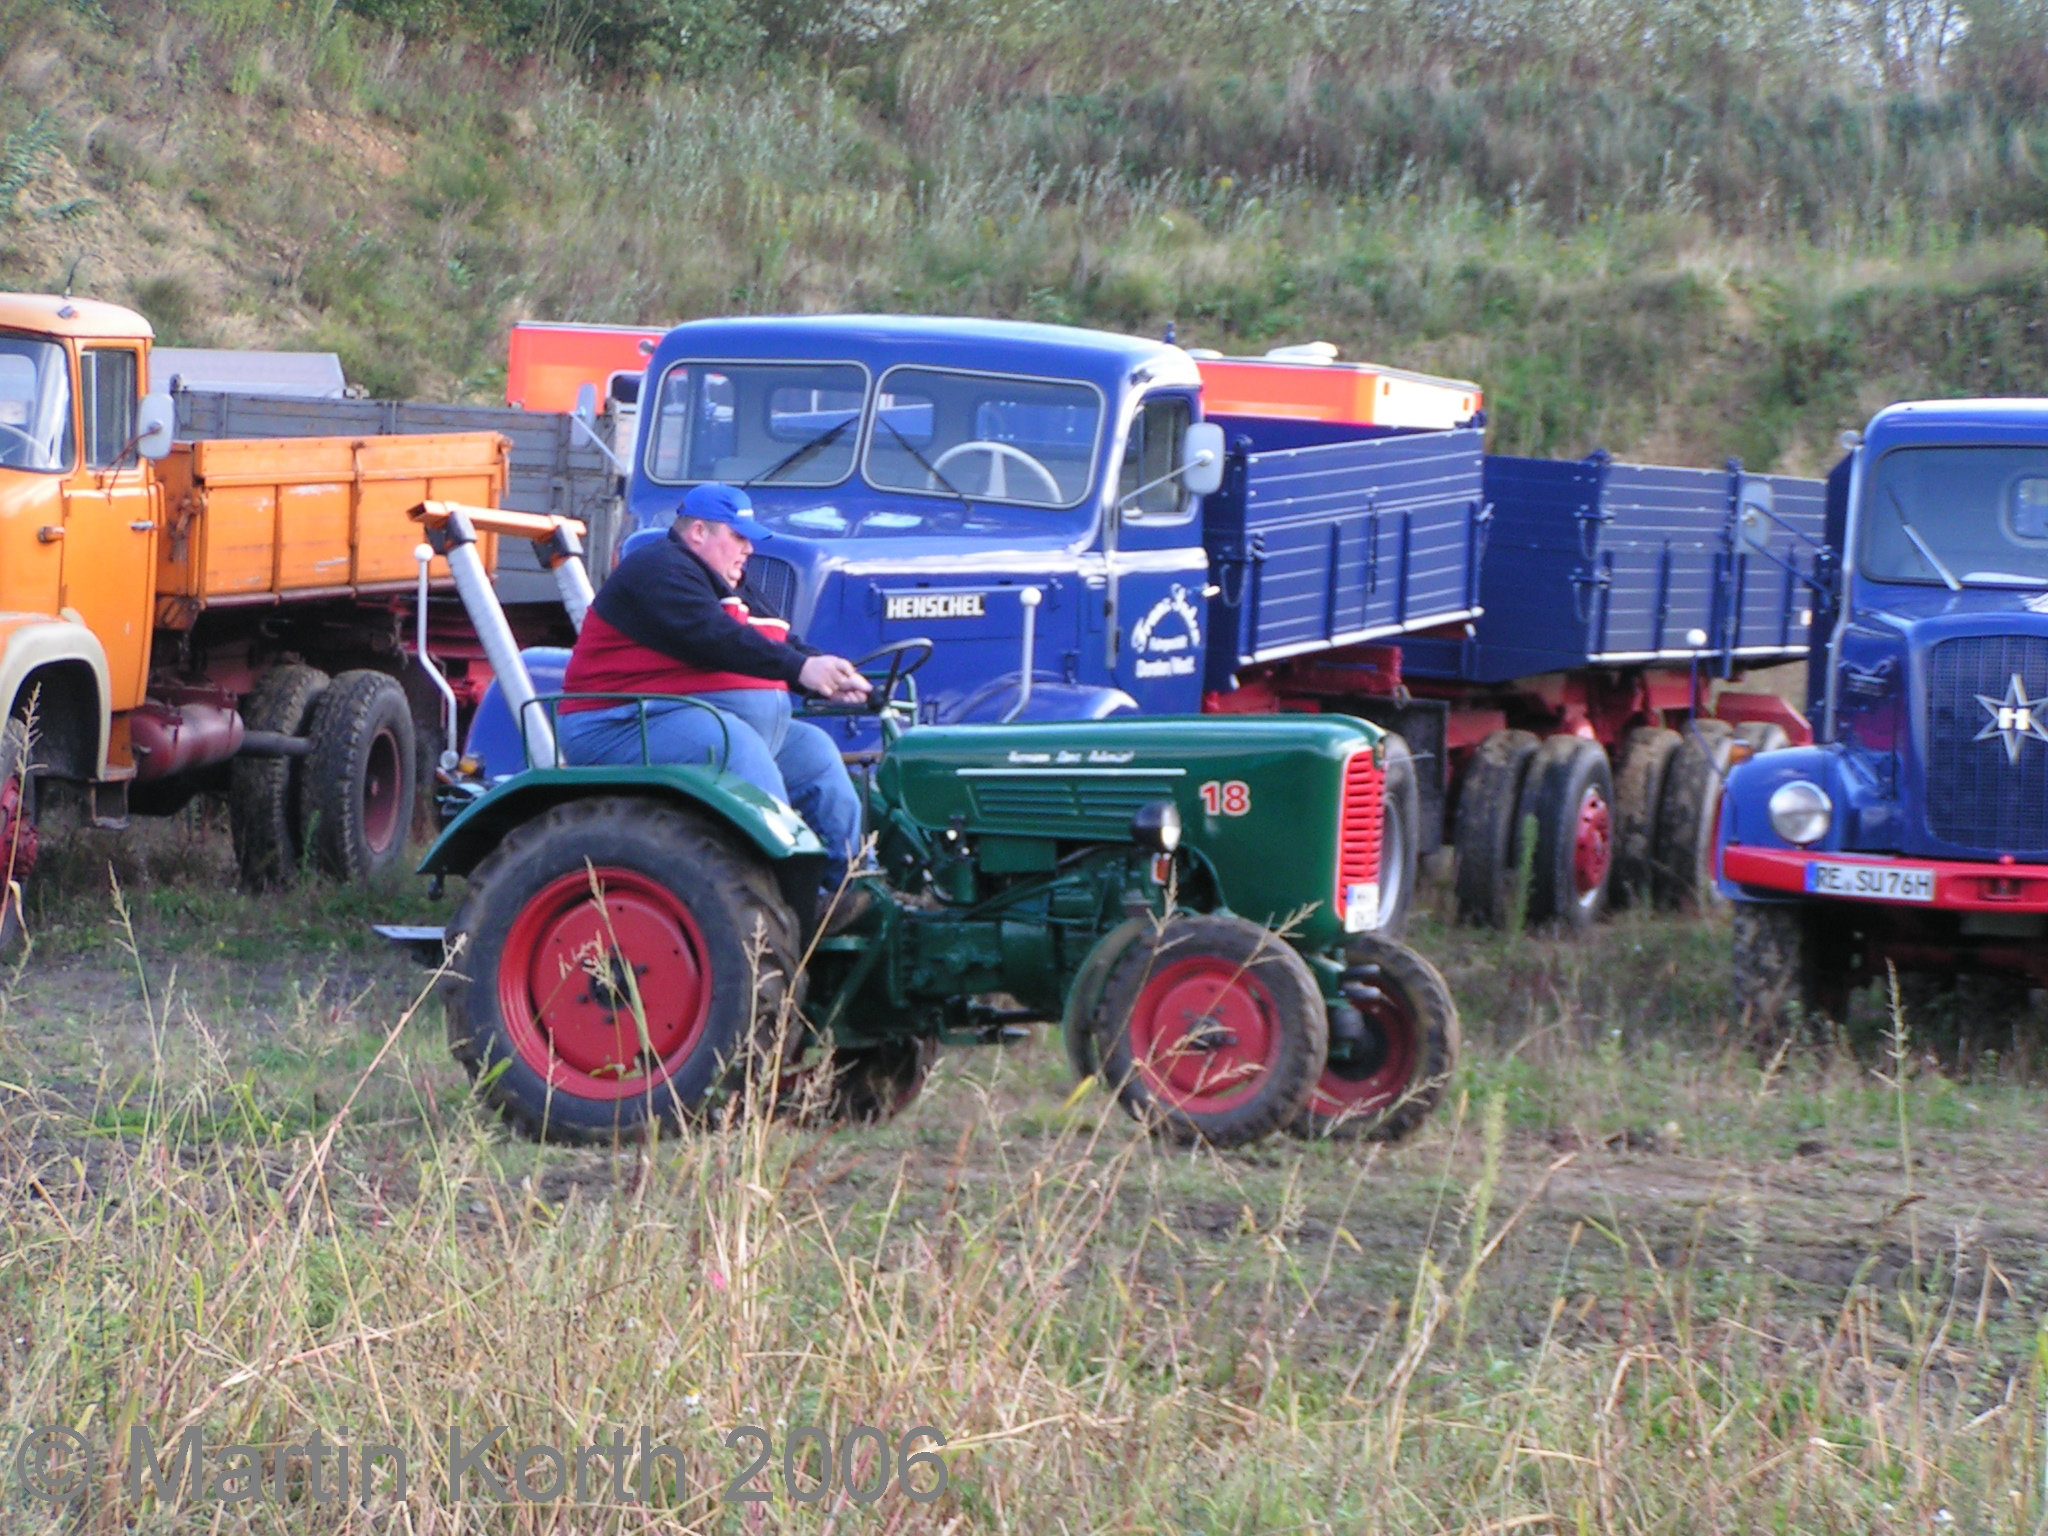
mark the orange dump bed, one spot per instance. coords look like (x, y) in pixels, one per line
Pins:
(1355, 394)
(272, 519)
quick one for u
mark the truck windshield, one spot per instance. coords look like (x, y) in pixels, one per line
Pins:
(976, 437)
(35, 404)
(756, 423)
(1958, 517)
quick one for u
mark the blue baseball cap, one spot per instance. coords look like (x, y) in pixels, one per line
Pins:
(728, 504)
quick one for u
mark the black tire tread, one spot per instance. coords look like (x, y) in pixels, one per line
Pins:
(1560, 764)
(1638, 791)
(263, 792)
(1683, 852)
(329, 802)
(1487, 833)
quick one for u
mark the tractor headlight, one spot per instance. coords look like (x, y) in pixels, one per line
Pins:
(1800, 812)
(1157, 826)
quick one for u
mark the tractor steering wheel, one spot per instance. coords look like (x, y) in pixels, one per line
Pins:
(883, 695)
(998, 486)
(919, 651)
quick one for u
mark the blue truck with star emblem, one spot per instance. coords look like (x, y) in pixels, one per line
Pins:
(1913, 834)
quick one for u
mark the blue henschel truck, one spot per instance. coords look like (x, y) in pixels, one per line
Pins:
(1089, 524)
(1914, 832)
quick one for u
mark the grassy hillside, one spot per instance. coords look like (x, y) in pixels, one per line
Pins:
(1676, 231)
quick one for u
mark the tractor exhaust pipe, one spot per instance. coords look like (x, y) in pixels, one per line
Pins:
(453, 535)
(1030, 597)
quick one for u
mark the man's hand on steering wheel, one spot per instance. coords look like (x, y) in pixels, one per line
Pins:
(834, 678)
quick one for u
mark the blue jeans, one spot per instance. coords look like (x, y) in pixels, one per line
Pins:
(761, 742)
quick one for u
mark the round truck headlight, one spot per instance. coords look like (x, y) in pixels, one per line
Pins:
(1800, 812)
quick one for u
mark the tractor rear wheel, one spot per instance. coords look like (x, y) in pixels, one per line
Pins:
(263, 792)
(1570, 792)
(1394, 1042)
(1210, 1028)
(356, 801)
(1688, 817)
(1646, 754)
(1400, 838)
(623, 965)
(1487, 835)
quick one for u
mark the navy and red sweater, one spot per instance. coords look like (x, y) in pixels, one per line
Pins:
(665, 622)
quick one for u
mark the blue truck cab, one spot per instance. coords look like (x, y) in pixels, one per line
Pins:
(923, 475)
(1914, 830)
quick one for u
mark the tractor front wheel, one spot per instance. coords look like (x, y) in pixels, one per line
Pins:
(621, 965)
(1394, 1041)
(1210, 1028)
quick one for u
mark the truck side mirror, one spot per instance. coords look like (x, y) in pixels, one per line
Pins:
(1755, 515)
(586, 404)
(156, 426)
(1201, 457)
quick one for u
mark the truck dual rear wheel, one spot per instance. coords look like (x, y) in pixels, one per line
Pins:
(1486, 834)
(356, 793)
(623, 964)
(1688, 815)
(1394, 1042)
(263, 792)
(1646, 754)
(1569, 793)
(1210, 1028)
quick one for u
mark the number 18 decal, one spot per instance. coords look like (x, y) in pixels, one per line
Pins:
(1232, 798)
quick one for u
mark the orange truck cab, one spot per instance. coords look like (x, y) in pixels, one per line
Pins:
(220, 617)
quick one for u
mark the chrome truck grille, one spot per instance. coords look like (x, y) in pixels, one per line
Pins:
(1987, 752)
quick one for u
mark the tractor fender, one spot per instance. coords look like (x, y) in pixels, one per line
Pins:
(772, 828)
(74, 726)
(1087, 991)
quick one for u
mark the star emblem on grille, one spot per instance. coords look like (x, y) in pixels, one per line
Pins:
(2014, 718)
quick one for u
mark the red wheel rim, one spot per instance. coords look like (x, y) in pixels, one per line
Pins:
(1374, 1073)
(564, 996)
(1592, 844)
(380, 792)
(1204, 1033)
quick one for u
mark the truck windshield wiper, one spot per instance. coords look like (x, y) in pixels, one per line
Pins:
(801, 452)
(1926, 552)
(925, 463)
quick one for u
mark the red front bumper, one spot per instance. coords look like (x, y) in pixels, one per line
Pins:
(1958, 887)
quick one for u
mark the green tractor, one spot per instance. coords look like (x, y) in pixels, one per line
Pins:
(1189, 899)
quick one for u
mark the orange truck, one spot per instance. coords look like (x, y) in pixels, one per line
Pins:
(224, 617)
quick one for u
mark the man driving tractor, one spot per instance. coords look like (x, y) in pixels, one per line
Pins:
(678, 618)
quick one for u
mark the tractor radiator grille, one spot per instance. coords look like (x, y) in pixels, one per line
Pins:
(1978, 795)
(1052, 804)
(1358, 830)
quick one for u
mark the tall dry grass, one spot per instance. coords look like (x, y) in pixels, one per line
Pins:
(1109, 1335)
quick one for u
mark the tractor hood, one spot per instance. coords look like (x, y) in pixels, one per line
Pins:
(1284, 810)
